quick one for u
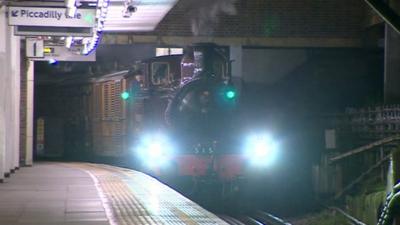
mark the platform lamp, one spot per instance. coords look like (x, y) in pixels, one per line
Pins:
(71, 6)
(69, 41)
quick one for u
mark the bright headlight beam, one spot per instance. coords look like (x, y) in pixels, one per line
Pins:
(261, 150)
(155, 150)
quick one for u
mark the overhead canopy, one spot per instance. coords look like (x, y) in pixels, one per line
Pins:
(146, 17)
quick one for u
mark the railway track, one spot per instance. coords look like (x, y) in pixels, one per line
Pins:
(258, 218)
(231, 220)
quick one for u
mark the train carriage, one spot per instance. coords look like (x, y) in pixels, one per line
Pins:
(120, 106)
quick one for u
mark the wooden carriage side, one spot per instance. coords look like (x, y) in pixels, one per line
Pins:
(108, 115)
(117, 123)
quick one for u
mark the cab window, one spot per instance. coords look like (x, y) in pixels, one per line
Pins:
(160, 73)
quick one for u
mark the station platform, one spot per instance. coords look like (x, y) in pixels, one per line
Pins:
(52, 193)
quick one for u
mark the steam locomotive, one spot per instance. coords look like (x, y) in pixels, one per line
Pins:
(176, 117)
(198, 110)
(190, 123)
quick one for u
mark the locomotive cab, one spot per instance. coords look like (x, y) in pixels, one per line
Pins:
(205, 101)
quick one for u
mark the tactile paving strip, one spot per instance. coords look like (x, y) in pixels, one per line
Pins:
(135, 198)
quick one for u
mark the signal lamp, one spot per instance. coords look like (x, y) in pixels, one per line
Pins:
(230, 94)
(125, 95)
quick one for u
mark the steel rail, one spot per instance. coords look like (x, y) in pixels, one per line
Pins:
(269, 218)
(250, 221)
(352, 219)
(231, 220)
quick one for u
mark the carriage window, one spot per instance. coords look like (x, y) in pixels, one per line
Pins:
(169, 51)
(160, 74)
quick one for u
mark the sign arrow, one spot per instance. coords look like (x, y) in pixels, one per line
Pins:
(14, 13)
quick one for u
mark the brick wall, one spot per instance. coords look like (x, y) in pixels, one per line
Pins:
(274, 18)
(23, 108)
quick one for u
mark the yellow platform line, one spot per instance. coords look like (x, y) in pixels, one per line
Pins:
(127, 198)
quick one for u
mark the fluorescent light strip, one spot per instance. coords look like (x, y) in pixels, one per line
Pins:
(68, 42)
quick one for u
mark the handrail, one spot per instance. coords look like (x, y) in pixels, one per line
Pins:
(364, 148)
(361, 177)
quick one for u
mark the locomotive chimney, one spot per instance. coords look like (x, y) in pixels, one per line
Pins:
(206, 60)
(187, 65)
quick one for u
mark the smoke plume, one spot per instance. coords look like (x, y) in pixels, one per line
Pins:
(205, 14)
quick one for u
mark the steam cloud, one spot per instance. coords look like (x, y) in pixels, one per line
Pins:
(205, 14)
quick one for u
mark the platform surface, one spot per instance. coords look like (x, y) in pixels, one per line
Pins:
(92, 194)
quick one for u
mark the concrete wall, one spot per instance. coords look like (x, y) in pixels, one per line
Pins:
(9, 97)
(267, 66)
(392, 62)
(269, 23)
(365, 206)
(23, 111)
(266, 18)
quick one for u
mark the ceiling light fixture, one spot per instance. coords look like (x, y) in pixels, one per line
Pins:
(101, 14)
(129, 8)
(68, 42)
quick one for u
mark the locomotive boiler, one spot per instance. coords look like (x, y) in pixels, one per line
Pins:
(198, 112)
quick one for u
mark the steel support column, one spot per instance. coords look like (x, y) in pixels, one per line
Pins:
(386, 12)
(392, 66)
(236, 66)
(293, 42)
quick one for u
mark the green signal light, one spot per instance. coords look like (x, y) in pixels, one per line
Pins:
(230, 94)
(89, 18)
(125, 95)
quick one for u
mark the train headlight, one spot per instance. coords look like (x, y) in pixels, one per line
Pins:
(261, 150)
(155, 150)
